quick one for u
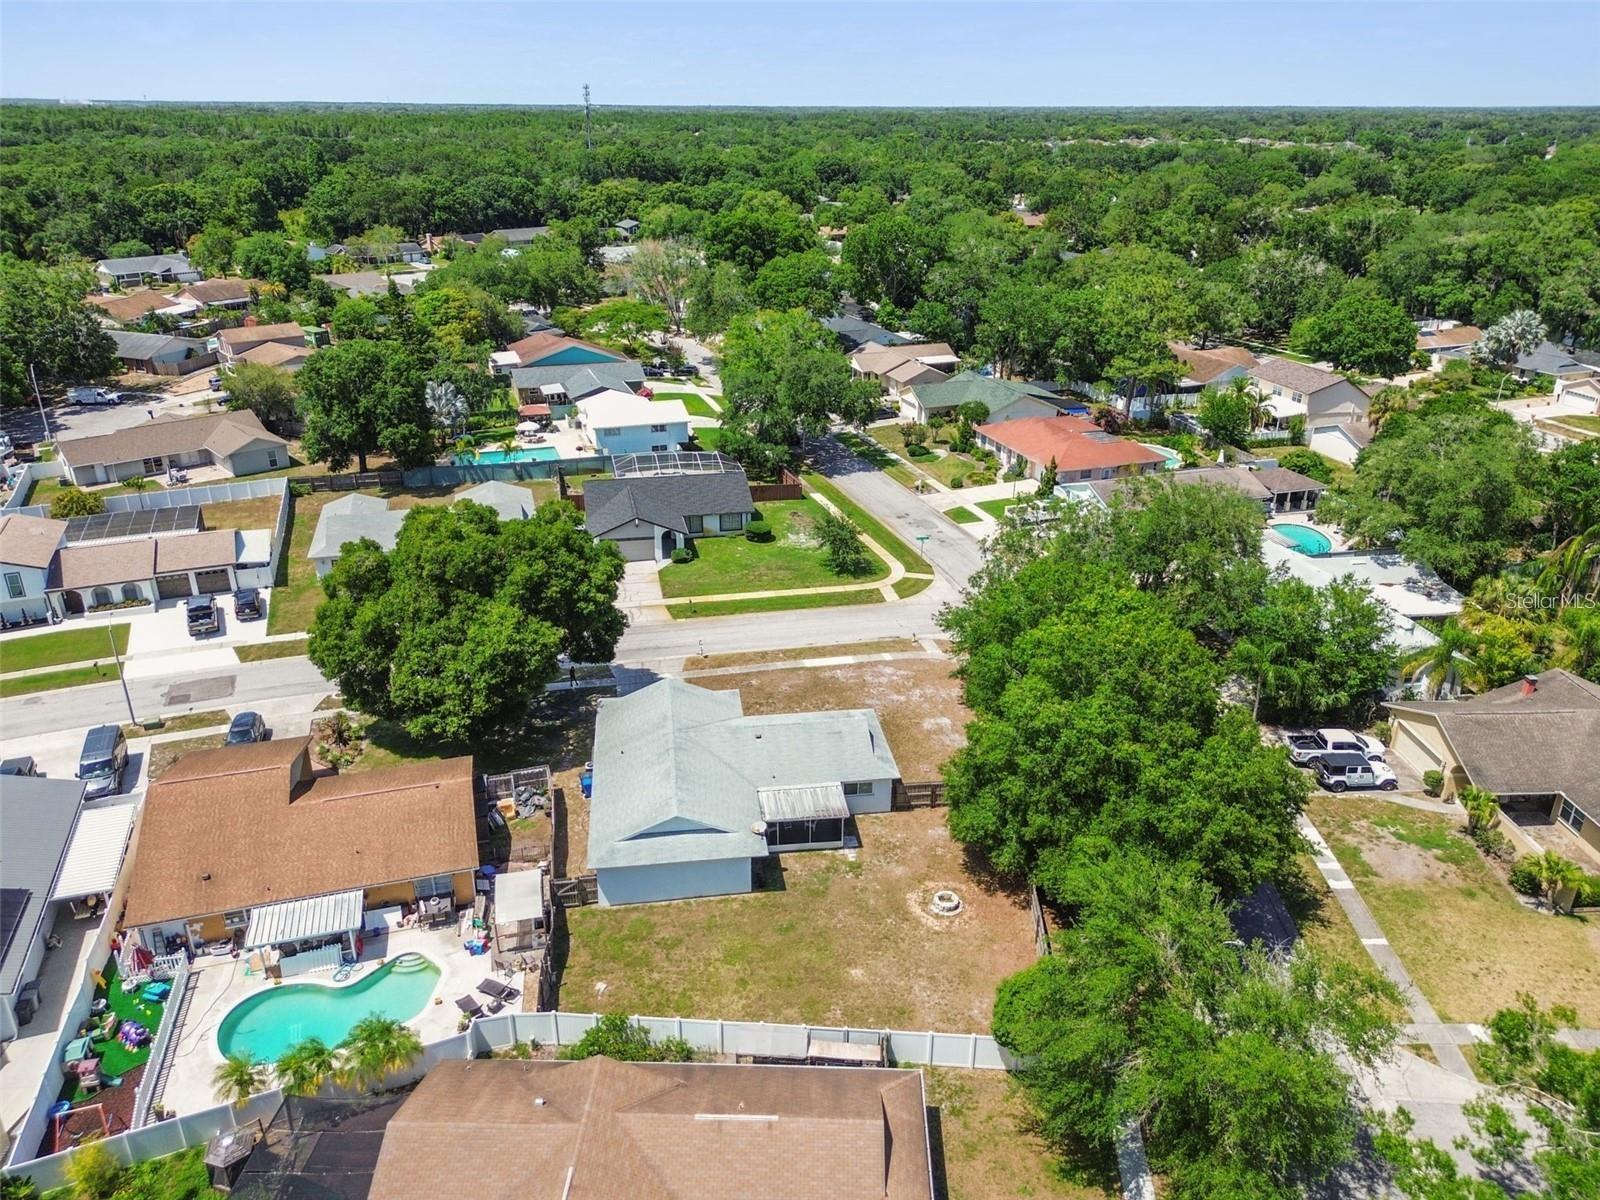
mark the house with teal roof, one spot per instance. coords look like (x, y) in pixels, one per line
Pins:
(1006, 399)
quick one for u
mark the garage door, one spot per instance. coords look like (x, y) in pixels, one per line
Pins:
(172, 587)
(1413, 750)
(213, 581)
(638, 549)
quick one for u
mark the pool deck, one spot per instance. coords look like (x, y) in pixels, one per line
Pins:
(222, 983)
(1309, 521)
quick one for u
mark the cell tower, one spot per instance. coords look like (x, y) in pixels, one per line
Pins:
(588, 133)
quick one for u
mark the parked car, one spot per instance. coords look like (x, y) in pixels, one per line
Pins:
(652, 371)
(245, 728)
(93, 395)
(203, 616)
(23, 764)
(247, 604)
(102, 761)
(1342, 770)
(1307, 749)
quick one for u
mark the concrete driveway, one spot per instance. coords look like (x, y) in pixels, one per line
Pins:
(91, 420)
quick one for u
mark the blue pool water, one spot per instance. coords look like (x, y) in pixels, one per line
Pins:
(1174, 459)
(521, 454)
(268, 1023)
(1304, 538)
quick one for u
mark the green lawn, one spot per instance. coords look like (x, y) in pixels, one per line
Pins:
(297, 592)
(759, 604)
(946, 468)
(874, 453)
(693, 401)
(708, 438)
(115, 1058)
(1585, 423)
(997, 508)
(256, 651)
(67, 646)
(45, 490)
(910, 585)
(1468, 942)
(181, 723)
(732, 563)
(869, 524)
(962, 516)
(49, 681)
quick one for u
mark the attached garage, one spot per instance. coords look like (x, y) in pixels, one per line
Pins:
(173, 587)
(637, 549)
(213, 581)
(1413, 747)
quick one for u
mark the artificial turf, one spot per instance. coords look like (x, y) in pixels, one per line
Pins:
(115, 1058)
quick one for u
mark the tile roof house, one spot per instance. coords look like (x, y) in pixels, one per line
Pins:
(1080, 449)
(161, 268)
(161, 353)
(231, 343)
(624, 423)
(350, 519)
(659, 1131)
(650, 516)
(1005, 399)
(38, 818)
(689, 794)
(245, 834)
(1532, 743)
(234, 440)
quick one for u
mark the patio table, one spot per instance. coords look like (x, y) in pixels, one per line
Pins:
(77, 1050)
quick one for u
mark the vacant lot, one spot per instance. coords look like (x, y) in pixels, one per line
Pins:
(917, 701)
(846, 939)
(733, 563)
(66, 646)
(1468, 942)
(681, 610)
(989, 1149)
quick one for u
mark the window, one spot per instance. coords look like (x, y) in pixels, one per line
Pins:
(612, 432)
(236, 918)
(153, 466)
(14, 588)
(1572, 816)
(695, 524)
(272, 458)
(659, 449)
(434, 885)
(730, 521)
(102, 597)
(658, 429)
(859, 787)
(131, 592)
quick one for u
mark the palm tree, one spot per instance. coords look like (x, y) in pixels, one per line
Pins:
(1554, 873)
(465, 447)
(1572, 569)
(445, 403)
(1481, 806)
(1385, 404)
(305, 1066)
(238, 1078)
(1448, 658)
(137, 484)
(376, 1048)
(1512, 336)
(1256, 409)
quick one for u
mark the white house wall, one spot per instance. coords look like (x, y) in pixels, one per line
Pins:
(877, 802)
(673, 881)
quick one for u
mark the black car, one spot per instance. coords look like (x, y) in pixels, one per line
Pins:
(247, 604)
(245, 728)
(23, 764)
(203, 616)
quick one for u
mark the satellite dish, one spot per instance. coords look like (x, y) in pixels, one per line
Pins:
(759, 828)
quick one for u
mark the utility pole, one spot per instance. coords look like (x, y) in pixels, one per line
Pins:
(588, 132)
(117, 658)
(39, 400)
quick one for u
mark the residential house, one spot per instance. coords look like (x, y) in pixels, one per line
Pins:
(1213, 367)
(627, 228)
(406, 252)
(624, 423)
(28, 547)
(161, 353)
(283, 355)
(1335, 410)
(1005, 399)
(1445, 341)
(251, 840)
(524, 235)
(854, 332)
(231, 343)
(221, 293)
(899, 368)
(1079, 448)
(127, 307)
(510, 502)
(154, 268)
(373, 283)
(562, 387)
(650, 516)
(549, 349)
(100, 575)
(236, 441)
(1278, 489)
(689, 795)
(1559, 362)
(38, 818)
(350, 519)
(1532, 743)
(1584, 392)
(659, 1131)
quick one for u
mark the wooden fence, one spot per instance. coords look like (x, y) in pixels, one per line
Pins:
(575, 892)
(1041, 927)
(787, 488)
(917, 795)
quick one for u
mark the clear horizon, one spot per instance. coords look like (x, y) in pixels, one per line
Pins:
(979, 54)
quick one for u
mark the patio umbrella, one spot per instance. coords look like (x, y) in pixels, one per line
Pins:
(527, 427)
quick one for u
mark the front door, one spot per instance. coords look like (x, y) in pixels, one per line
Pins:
(669, 543)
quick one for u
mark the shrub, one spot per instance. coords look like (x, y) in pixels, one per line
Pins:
(758, 531)
(299, 489)
(915, 435)
(1493, 843)
(1380, 730)
(1523, 877)
(1588, 892)
(956, 482)
(93, 1173)
(75, 502)
(1433, 782)
(682, 555)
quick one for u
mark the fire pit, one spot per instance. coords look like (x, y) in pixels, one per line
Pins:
(945, 903)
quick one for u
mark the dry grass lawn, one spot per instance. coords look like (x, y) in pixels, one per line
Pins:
(1468, 942)
(758, 658)
(990, 1150)
(918, 702)
(847, 939)
(260, 513)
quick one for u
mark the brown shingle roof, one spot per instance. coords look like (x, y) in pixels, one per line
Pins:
(1280, 479)
(195, 551)
(104, 562)
(877, 359)
(1074, 443)
(221, 433)
(242, 337)
(1205, 365)
(1301, 377)
(275, 354)
(131, 306)
(1439, 339)
(600, 1130)
(246, 825)
(220, 291)
(29, 541)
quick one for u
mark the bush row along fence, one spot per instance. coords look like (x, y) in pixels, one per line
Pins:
(971, 1051)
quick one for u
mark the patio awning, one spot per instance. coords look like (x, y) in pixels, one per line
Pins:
(298, 920)
(518, 896)
(533, 410)
(812, 802)
(1283, 408)
(94, 858)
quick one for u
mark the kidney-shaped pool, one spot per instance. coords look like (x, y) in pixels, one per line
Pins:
(268, 1023)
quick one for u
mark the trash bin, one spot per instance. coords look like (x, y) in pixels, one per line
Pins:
(586, 782)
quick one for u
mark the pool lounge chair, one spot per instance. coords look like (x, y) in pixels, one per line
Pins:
(498, 991)
(469, 1006)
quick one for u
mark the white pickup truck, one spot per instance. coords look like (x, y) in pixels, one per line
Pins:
(1308, 749)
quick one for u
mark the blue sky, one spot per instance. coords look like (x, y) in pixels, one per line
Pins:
(870, 52)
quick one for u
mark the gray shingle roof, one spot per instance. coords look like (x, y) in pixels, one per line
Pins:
(145, 264)
(686, 758)
(509, 501)
(141, 346)
(854, 332)
(351, 518)
(581, 380)
(37, 817)
(664, 500)
(1550, 359)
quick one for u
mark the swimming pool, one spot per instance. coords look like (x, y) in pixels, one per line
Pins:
(1304, 538)
(520, 454)
(268, 1023)
(1174, 459)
